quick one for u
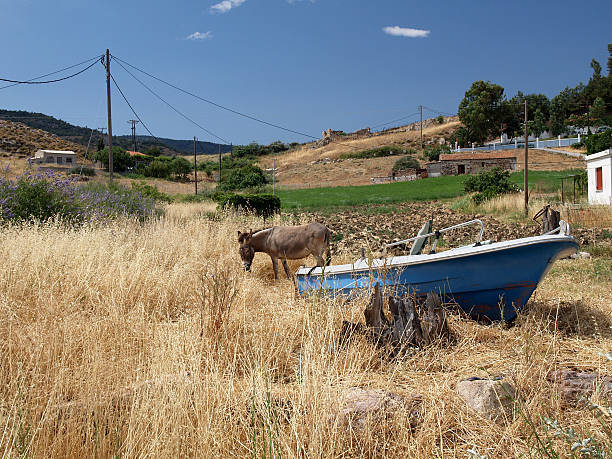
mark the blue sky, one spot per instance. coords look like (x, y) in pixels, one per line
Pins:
(309, 65)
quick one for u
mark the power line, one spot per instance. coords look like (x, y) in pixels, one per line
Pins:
(134, 111)
(439, 112)
(172, 107)
(216, 104)
(52, 73)
(48, 81)
(396, 120)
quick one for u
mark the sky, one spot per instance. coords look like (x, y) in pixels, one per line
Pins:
(307, 65)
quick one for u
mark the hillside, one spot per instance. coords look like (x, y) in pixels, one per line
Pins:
(80, 135)
(17, 139)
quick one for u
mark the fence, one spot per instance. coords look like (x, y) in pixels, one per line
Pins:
(537, 143)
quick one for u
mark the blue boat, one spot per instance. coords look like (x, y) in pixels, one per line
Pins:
(487, 280)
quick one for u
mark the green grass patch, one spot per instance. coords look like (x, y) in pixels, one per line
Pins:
(430, 189)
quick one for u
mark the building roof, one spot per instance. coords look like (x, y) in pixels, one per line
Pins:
(477, 156)
(134, 153)
(55, 152)
(601, 155)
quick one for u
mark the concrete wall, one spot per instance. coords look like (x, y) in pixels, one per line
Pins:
(604, 160)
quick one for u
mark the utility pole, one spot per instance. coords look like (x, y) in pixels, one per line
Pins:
(219, 163)
(421, 113)
(134, 122)
(110, 123)
(526, 170)
(274, 178)
(195, 166)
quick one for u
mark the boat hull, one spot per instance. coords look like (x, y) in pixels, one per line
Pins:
(492, 282)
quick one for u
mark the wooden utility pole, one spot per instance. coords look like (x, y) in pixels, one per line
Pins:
(133, 123)
(526, 170)
(195, 166)
(219, 163)
(421, 113)
(110, 123)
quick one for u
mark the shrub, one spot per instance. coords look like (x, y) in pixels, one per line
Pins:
(249, 176)
(88, 171)
(181, 167)
(407, 162)
(264, 205)
(440, 119)
(488, 184)
(158, 169)
(46, 196)
(379, 152)
(151, 192)
(598, 142)
(433, 153)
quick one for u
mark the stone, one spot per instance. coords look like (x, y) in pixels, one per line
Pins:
(580, 255)
(574, 385)
(490, 398)
(360, 405)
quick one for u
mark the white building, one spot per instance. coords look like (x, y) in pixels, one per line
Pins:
(56, 157)
(599, 171)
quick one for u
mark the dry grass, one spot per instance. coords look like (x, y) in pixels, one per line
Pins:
(102, 353)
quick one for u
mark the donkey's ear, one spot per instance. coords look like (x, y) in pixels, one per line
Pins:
(239, 233)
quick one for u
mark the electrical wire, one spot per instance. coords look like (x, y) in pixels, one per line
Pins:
(134, 111)
(32, 81)
(172, 107)
(439, 112)
(394, 121)
(236, 112)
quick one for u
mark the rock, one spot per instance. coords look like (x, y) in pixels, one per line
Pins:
(362, 405)
(574, 385)
(490, 398)
(580, 255)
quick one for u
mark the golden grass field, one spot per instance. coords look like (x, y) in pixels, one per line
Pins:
(149, 340)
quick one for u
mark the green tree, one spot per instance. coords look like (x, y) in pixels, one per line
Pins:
(249, 176)
(153, 151)
(481, 110)
(598, 109)
(596, 66)
(181, 167)
(557, 116)
(121, 159)
(538, 125)
(610, 60)
(100, 145)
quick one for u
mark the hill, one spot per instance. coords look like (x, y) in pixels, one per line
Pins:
(17, 139)
(81, 135)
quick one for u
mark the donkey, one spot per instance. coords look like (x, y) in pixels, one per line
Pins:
(286, 243)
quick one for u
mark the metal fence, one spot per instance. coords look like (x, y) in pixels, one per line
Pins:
(537, 143)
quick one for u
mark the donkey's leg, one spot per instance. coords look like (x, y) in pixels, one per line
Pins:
(275, 266)
(320, 261)
(286, 266)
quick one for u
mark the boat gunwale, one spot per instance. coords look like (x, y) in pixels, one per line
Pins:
(410, 260)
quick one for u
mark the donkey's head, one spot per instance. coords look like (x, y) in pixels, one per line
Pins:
(247, 252)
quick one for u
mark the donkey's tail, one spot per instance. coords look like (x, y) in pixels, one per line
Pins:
(328, 245)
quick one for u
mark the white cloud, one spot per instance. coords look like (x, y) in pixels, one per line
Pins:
(199, 36)
(225, 6)
(405, 32)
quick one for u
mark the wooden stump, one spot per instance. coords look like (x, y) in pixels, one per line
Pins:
(406, 329)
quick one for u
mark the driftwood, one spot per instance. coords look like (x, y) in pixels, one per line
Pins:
(407, 328)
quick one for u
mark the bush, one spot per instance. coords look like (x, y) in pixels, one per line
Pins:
(47, 196)
(151, 192)
(440, 119)
(598, 142)
(264, 205)
(488, 184)
(181, 167)
(158, 169)
(408, 162)
(433, 153)
(88, 171)
(249, 176)
(254, 149)
(379, 152)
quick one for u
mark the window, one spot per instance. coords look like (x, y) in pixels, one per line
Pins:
(59, 160)
(599, 179)
(482, 164)
(68, 160)
(50, 159)
(461, 169)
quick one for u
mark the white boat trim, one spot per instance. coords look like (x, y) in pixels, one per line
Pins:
(409, 260)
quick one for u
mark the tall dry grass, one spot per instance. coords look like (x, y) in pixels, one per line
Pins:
(149, 340)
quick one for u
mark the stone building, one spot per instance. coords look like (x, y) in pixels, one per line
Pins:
(471, 163)
(55, 157)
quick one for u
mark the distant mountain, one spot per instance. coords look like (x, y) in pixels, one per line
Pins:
(81, 135)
